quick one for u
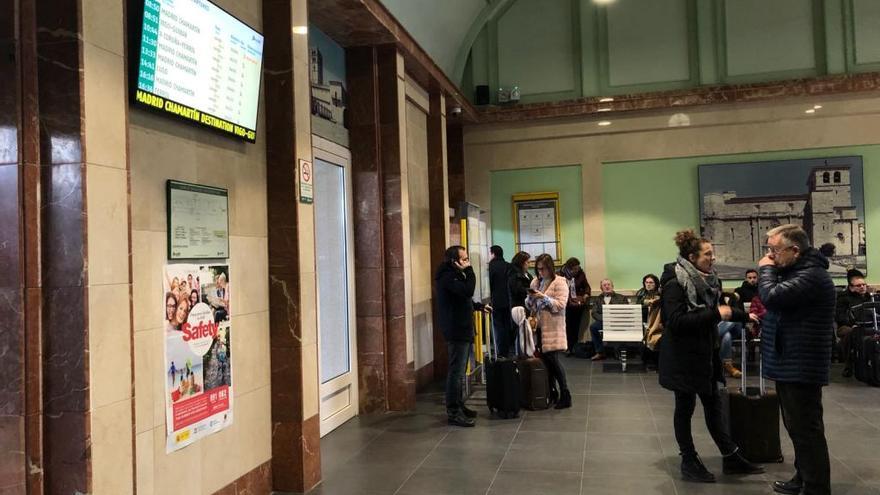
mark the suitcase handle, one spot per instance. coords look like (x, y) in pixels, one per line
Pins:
(743, 343)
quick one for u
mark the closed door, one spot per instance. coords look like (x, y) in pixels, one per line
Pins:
(333, 243)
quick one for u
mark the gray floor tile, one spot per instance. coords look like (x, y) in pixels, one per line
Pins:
(616, 485)
(725, 486)
(635, 388)
(530, 458)
(536, 483)
(600, 409)
(443, 481)
(558, 440)
(575, 424)
(467, 457)
(612, 442)
(357, 478)
(625, 464)
(621, 425)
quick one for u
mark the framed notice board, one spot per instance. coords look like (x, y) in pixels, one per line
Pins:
(198, 221)
(536, 224)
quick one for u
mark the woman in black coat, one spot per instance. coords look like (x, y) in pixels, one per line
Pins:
(519, 279)
(689, 361)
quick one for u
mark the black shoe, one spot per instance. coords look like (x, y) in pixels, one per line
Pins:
(735, 463)
(790, 487)
(461, 420)
(564, 401)
(552, 397)
(847, 372)
(468, 412)
(692, 469)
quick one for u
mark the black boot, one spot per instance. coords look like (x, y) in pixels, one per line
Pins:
(468, 412)
(460, 420)
(552, 397)
(790, 487)
(564, 401)
(735, 463)
(692, 469)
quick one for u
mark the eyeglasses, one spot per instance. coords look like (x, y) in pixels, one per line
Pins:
(775, 250)
(860, 285)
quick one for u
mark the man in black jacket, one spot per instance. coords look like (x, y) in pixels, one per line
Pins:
(856, 293)
(455, 282)
(502, 322)
(796, 340)
(749, 288)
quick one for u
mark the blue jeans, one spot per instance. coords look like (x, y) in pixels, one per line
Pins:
(459, 352)
(596, 333)
(727, 331)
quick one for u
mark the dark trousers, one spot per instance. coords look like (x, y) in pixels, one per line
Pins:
(459, 352)
(801, 406)
(502, 332)
(845, 334)
(555, 369)
(685, 403)
(573, 315)
(596, 333)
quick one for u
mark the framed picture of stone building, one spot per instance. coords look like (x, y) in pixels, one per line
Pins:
(740, 202)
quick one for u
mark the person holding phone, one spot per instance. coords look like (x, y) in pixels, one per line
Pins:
(455, 282)
(548, 296)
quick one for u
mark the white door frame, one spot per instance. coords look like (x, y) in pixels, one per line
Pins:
(335, 392)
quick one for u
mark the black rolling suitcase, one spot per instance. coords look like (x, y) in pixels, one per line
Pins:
(502, 383)
(535, 384)
(868, 365)
(754, 419)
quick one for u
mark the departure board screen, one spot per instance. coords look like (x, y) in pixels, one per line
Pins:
(199, 63)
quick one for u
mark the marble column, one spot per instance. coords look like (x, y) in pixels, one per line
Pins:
(13, 472)
(438, 189)
(296, 454)
(377, 133)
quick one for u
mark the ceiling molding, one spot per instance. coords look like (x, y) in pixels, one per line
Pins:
(492, 9)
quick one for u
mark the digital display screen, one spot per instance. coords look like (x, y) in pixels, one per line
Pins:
(199, 63)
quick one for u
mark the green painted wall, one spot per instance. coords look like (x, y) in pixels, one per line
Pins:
(689, 43)
(565, 180)
(646, 202)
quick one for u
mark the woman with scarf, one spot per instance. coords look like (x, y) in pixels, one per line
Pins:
(689, 361)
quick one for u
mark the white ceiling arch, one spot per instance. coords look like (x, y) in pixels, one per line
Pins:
(445, 29)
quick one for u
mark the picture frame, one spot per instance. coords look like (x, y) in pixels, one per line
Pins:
(536, 227)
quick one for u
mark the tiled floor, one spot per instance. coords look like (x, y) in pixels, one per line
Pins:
(617, 439)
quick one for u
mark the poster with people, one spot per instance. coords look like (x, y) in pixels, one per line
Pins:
(198, 355)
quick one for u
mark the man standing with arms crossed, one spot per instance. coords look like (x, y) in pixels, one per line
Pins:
(798, 293)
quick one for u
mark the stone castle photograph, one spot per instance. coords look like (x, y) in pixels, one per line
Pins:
(742, 201)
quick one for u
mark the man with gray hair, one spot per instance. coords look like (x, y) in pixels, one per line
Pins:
(798, 293)
(608, 296)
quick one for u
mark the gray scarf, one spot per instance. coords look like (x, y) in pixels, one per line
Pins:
(703, 290)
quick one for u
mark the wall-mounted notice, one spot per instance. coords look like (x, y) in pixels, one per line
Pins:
(198, 353)
(306, 182)
(198, 221)
(536, 224)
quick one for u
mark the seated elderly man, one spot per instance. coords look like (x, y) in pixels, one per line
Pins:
(846, 317)
(608, 296)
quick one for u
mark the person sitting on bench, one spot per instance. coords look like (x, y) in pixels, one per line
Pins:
(608, 296)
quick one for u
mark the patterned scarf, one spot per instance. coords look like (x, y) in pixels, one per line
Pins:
(703, 289)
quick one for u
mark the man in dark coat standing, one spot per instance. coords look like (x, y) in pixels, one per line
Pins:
(502, 321)
(798, 292)
(455, 282)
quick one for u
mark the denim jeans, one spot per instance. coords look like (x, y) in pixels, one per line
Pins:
(727, 331)
(459, 352)
(596, 332)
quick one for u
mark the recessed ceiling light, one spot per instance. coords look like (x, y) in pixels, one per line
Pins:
(604, 123)
(816, 107)
(606, 109)
(810, 110)
(603, 2)
(606, 100)
(300, 30)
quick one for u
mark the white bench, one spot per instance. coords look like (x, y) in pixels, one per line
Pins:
(622, 324)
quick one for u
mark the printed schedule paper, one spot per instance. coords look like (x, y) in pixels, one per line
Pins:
(198, 221)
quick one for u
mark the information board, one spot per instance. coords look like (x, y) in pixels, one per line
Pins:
(198, 62)
(536, 220)
(198, 221)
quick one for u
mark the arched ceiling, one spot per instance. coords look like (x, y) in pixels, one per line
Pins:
(443, 28)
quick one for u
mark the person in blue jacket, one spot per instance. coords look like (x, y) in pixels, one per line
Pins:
(798, 293)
